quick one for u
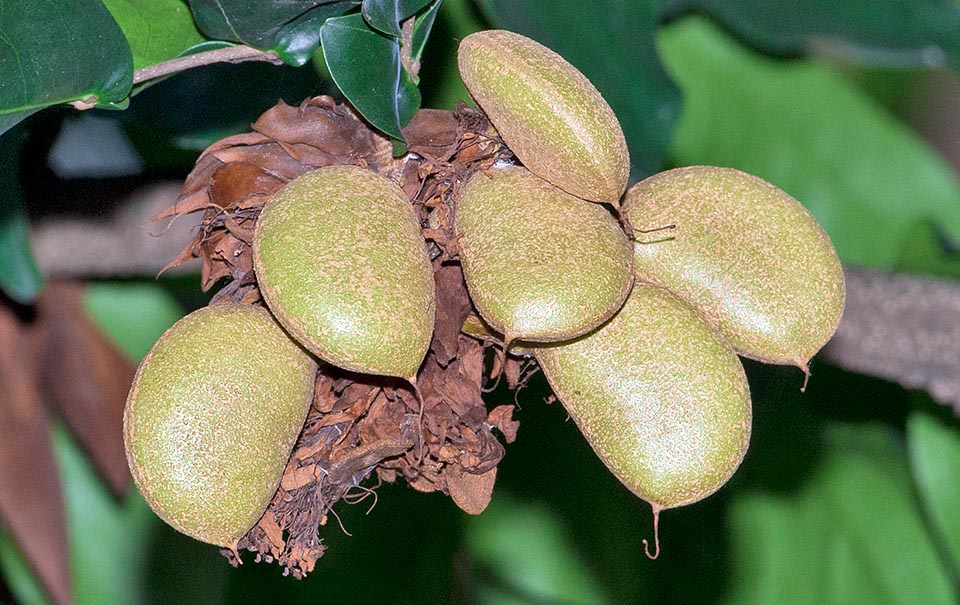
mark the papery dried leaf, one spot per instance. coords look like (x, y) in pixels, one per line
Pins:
(501, 418)
(453, 307)
(31, 501)
(433, 133)
(232, 183)
(471, 492)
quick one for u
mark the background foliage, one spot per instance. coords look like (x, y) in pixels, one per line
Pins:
(849, 492)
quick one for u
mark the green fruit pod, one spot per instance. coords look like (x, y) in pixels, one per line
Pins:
(214, 411)
(663, 401)
(549, 114)
(540, 265)
(342, 264)
(747, 255)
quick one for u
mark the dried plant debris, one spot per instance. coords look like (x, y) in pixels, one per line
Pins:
(362, 430)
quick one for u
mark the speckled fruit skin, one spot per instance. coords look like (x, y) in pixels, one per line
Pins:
(341, 262)
(749, 256)
(540, 265)
(213, 413)
(662, 400)
(548, 113)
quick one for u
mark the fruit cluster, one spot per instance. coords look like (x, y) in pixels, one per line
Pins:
(639, 338)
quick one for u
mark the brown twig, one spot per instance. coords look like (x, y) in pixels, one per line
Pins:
(230, 54)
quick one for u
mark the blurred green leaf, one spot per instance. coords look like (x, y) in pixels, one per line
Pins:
(16, 573)
(522, 553)
(926, 251)
(366, 67)
(934, 448)
(57, 52)
(881, 32)
(291, 28)
(109, 540)
(612, 43)
(19, 276)
(132, 314)
(852, 534)
(387, 15)
(157, 30)
(865, 176)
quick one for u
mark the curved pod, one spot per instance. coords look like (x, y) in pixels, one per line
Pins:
(213, 413)
(540, 265)
(661, 399)
(342, 264)
(548, 113)
(749, 256)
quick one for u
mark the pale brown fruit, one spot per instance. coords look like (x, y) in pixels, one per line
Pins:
(540, 265)
(548, 113)
(342, 264)
(746, 254)
(662, 400)
(213, 413)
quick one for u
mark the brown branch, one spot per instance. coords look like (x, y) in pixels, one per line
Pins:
(899, 327)
(230, 54)
(406, 49)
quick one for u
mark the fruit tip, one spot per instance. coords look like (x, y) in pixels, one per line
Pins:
(806, 374)
(656, 535)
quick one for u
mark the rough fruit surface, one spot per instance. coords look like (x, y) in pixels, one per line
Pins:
(212, 416)
(660, 398)
(749, 256)
(540, 265)
(341, 263)
(548, 113)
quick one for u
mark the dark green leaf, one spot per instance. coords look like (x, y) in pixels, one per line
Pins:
(291, 28)
(865, 176)
(881, 32)
(852, 534)
(365, 65)
(157, 30)
(421, 30)
(387, 15)
(935, 457)
(57, 52)
(612, 43)
(19, 276)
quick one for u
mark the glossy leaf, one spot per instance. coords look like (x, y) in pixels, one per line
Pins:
(865, 176)
(157, 30)
(387, 15)
(289, 27)
(366, 67)
(934, 447)
(522, 553)
(612, 43)
(852, 533)
(57, 52)
(20, 278)
(881, 32)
